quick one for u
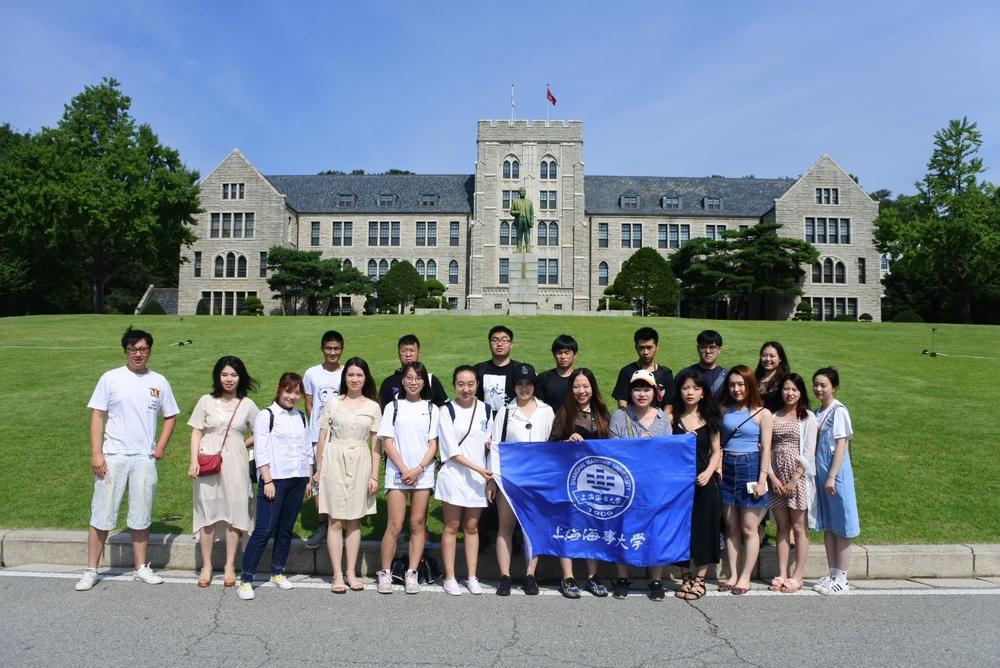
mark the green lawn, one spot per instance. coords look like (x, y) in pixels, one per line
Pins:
(924, 452)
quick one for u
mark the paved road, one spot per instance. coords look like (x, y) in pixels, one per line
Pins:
(43, 622)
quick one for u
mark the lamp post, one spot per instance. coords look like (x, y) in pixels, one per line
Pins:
(375, 281)
(679, 289)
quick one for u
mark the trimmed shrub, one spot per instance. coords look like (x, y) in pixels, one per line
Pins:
(202, 308)
(804, 311)
(252, 306)
(844, 317)
(865, 317)
(153, 307)
(615, 305)
(907, 316)
(427, 302)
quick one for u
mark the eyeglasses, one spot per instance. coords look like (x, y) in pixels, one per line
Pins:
(502, 342)
(137, 351)
(710, 349)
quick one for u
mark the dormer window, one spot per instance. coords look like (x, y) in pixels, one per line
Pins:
(630, 201)
(427, 201)
(387, 199)
(671, 202)
(345, 201)
(712, 204)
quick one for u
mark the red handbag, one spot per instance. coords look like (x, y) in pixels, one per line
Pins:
(212, 464)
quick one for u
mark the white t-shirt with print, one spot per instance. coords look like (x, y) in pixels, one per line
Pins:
(416, 424)
(320, 384)
(133, 401)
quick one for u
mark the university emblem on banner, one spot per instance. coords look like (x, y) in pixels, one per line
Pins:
(600, 487)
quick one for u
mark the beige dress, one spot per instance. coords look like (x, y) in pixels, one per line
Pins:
(226, 496)
(347, 459)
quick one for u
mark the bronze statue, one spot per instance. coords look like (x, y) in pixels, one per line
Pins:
(524, 219)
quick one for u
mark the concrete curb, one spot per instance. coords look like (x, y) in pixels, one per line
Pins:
(181, 552)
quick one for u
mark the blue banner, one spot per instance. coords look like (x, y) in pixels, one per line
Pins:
(626, 501)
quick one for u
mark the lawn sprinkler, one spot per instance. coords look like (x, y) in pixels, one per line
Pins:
(188, 342)
(932, 353)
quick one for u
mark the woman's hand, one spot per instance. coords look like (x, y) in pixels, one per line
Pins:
(491, 490)
(486, 473)
(831, 485)
(372, 486)
(575, 437)
(703, 478)
(761, 488)
(412, 475)
(193, 470)
(309, 491)
(315, 477)
(790, 488)
(777, 487)
(269, 491)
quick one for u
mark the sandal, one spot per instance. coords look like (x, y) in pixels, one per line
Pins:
(229, 576)
(205, 579)
(696, 590)
(739, 591)
(338, 588)
(790, 586)
(725, 586)
(777, 583)
(353, 583)
(685, 586)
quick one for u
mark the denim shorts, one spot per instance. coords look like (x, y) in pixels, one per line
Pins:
(138, 474)
(737, 471)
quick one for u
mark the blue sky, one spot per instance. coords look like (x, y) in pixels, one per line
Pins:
(663, 88)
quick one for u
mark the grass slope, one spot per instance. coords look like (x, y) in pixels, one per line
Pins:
(924, 452)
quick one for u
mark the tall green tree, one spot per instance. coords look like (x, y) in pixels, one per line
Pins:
(304, 277)
(401, 286)
(948, 235)
(646, 279)
(754, 261)
(97, 195)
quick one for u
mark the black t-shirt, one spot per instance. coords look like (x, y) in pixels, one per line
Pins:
(664, 385)
(553, 388)
(392, 385)
(496, 383)
(715, 378)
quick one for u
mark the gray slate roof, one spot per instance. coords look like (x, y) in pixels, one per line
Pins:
(749, 198)
(320, 193)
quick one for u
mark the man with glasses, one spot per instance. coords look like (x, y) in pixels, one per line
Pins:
(408, 350)
(124, 452)
(496, 375)
(709, 347)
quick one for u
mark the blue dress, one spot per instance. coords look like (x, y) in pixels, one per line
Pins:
(839, 513)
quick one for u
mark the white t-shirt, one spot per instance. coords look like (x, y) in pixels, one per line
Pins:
(520, 428)
(320, 385)
(457, 484)
(132, 402)
(414, 428)
(841, 420)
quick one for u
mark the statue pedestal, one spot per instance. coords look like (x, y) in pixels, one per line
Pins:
(523, 284)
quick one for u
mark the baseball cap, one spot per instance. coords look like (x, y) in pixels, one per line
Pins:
(643, 376)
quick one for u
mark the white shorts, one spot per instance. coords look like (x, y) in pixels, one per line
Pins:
(138, 474)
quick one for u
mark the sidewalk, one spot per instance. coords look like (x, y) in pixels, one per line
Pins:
(181, 553)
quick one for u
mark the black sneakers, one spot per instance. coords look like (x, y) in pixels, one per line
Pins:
(596, 587)
(656, 592)
(621, 588)
(530, 586)
(503, 589)
(569, 588)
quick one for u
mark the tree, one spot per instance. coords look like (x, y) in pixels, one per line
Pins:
(944, 241)
(304, 276)
(252, 306)
(401, 285)
(646, 279)
(96, 196)
(754, 261)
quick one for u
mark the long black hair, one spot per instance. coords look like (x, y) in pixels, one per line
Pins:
(567, 414)
(368, 389)
(245, 385)
(708, 410)
(783, 368)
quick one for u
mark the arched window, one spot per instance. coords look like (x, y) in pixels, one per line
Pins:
(453, 272)
(219, 263)
(393, 263)
(552, 169)
(420, 268)
(506, 169)
(828, 271)
(383, 268)
(817, 273)
(515, 170)
(505, 233)
(553, 232)
(432, 270)
(372, 268)
(346, 264)
(602, 273)
(241, 267)
(231, 265)
(543, 234)
(543, 173)
(841, 273)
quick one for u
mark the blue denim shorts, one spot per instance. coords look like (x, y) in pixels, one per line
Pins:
(737, 471)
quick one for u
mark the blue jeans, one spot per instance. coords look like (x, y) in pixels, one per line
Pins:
(274, 516)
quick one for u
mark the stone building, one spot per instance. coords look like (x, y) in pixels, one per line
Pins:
(457, 227)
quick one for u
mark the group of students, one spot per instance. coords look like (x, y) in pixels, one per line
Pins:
(742, 420)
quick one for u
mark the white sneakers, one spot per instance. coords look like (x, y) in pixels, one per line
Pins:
(88, 580)
(832, 586)
(146, 574)
(281, 582)
(474, 586)
(245, 591)
(384, 581)
(411, 585)
(451, 587)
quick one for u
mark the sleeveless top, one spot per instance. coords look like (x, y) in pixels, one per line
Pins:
(746, 438)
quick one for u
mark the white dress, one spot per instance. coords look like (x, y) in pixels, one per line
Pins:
(465, 435)
(416, 423)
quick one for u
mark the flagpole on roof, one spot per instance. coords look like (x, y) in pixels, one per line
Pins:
(546, 106)
(512, 104)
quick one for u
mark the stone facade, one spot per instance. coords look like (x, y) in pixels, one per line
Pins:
(586, 226)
